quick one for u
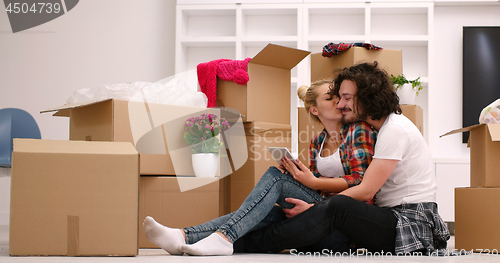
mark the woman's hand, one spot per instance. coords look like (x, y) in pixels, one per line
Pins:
(302, 175)
(300, 206)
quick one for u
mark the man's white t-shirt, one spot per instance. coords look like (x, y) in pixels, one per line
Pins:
(413, 180)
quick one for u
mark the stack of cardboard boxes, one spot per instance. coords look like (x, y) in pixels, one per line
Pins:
(264, 103)
(120, 188)
(476, 214)
(82, 187)
(88, 196)
(147, 126)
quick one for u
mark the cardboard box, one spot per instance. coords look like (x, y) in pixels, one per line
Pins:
(266, 96)
(476, 219)
(161, 198)
(128, 121)
(323, 67)
(74, 198)
(484, 143)
(415, 114)
(308, 129)
(259, 136)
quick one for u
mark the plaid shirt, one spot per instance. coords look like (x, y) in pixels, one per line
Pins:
(356, 150)
(331, 49)
(420, 227)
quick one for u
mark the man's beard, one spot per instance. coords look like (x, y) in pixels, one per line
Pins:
(354, 117)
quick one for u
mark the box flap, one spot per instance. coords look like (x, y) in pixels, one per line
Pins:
(63, 110)
(466, 129)
(75, 147)
(494, 132)
(279, 56)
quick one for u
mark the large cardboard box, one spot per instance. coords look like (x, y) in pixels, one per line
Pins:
(308, 129)
(128, 121)
(259, 136)
(162, 199)
(266, 96)
(74, 198)
(484, 143)
(415, 114)
(476, 219)
(323, 67)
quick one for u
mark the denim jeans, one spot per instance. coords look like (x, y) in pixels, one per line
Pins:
(258, 210)
(367, 226)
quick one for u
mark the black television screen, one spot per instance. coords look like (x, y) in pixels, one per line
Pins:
(481, 72)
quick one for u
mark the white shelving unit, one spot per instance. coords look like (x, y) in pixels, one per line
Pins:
(236, 31)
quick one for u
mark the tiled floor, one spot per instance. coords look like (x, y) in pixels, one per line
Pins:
(157, 255)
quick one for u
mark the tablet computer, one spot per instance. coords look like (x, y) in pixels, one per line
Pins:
(279, 152)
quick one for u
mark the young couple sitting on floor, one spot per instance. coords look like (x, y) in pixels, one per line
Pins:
(367, 151)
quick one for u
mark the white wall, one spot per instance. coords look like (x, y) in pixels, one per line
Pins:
(97, 42)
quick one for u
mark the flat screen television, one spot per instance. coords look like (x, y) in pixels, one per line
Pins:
(481, 71)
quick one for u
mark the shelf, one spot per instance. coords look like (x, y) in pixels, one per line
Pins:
(269, 22)
(261, 40)
(333, 21)
(237, 31)
(194, 22)
(197, 55)
(406, 24)
(401, 40)
(208, 41)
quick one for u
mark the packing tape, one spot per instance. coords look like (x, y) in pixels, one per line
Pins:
(73, 246)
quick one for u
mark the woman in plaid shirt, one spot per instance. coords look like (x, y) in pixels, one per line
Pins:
(286, 186)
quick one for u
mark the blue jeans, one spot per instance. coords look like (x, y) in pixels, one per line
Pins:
(258, 210)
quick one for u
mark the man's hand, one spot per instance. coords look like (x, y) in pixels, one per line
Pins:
(300, 206)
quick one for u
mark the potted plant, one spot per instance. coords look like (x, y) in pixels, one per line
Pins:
(407, 89)
(201, 133)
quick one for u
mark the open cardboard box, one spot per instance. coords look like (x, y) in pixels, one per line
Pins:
(323, 67)
(476, 219)
(147, 125)
(266, 96)
(484, 143)
(71, 198)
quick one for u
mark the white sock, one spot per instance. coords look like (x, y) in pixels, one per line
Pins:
(213, 245)
(170, 239)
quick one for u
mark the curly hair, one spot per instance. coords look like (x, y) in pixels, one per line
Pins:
(375, 96)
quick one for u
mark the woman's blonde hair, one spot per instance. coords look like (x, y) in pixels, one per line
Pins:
(308, 95)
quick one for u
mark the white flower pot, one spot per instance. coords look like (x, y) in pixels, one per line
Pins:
(406, 94)
(205, 164)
